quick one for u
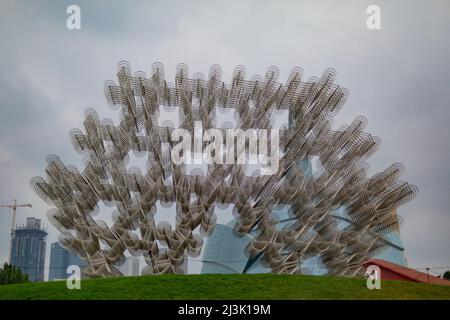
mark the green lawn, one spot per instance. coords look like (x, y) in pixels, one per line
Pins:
(263, 286)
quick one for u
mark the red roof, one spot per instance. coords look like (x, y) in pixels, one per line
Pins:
(409, 274)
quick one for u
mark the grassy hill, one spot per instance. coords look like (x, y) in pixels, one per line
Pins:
(263, 286)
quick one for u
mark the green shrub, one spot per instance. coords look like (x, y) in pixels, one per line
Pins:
(11, 274)
(446, 275)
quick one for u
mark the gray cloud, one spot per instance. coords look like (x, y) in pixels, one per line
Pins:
(398, 79)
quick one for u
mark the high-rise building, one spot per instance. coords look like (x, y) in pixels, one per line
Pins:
(60, 260)
(28, 249)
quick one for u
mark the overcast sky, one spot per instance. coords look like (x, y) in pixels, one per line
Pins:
(398, 77)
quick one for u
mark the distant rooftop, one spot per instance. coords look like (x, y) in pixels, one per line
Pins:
(32, 223)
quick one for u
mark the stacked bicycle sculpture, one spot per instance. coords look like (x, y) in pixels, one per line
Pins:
(340, 181)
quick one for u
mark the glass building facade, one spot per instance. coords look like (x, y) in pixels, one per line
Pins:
(224, 252)
(28, 249)
(60, 260)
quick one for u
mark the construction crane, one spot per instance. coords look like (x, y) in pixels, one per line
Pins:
(13, 207)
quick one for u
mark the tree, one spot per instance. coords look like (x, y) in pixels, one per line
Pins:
(446, 275)
(11, 274)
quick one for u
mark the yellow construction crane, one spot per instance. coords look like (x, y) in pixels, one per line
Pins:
(13, 207)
